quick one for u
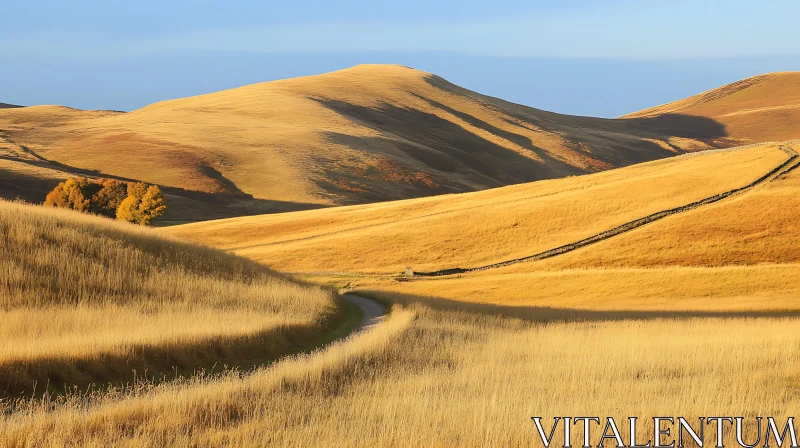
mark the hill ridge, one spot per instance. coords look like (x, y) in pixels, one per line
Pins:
(363, 134)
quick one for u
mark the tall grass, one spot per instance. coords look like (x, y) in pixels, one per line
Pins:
(81, 296)
(454, 378)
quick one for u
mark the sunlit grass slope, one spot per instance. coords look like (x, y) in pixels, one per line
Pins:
(474, 229)
(759, 228)
(86, 299)
(760, 108)
(365, 134)
(739, 254)
(454, 378)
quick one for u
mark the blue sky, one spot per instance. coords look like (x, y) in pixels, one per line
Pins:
(594, 58)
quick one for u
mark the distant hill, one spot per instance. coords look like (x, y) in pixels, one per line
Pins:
(7, 106)
(757, 109)
(480, 228)
(365, 134)
(740, 252)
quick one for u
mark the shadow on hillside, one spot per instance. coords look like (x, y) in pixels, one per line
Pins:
(667, 125)
(679, 125)
(550, 314)
(16, 186)
(469, 159)
(521, 140)
(432, 139)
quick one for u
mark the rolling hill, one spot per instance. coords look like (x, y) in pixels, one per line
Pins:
(740, 248)
(8, 106)
(365, 134)
(86, 300)
(478, 228)
(756, 109)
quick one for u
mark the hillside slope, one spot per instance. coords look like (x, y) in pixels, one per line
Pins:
(756, 109)
(85, 299)
(741, 254)
(479, 228)
(365, 134)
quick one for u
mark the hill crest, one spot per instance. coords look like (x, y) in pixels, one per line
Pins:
(363, 134)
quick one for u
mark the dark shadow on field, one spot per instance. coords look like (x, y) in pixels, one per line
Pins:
(542, 314)
(15, 185)
(680, 125)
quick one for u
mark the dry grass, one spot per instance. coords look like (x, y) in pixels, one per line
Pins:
(451, 378)
(368, 133)
(756, 109)
(739, 254)
(473, 229)
(728, 288)
(84, 298)
(626, 340)
(756, 228)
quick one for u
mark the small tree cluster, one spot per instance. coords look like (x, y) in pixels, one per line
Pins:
(144, 202)
(133, 202)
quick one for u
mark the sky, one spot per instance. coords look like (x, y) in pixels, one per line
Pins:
(580, 57)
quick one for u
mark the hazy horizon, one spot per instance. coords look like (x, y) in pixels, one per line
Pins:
(578, 58)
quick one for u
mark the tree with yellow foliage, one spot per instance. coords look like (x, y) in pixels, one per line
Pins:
(106, 201)
(73, 194)
(144, 202)
(133, 202)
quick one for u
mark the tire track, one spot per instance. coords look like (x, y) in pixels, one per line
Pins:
(790, 164)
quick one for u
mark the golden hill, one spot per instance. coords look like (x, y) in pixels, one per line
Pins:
(480, 228)
(365, 134)
(756, 109)
(85, 299)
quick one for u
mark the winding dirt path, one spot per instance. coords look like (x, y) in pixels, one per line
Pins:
(788, 165)
(373, 311)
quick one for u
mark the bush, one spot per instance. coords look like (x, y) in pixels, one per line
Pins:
(133, 202)
(108, 199)
(74, 194)
(144, 202)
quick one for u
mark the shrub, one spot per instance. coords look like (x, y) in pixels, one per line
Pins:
(108, 199)
(144, 202)
(133, 202)
(73, 194)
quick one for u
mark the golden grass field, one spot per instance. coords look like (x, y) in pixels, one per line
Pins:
(452, 378)
(85, 299)
(739, 254)
(474, 229)
(369, 133)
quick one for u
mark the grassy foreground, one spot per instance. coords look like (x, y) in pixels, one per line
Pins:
(85, 300)
(453, 378)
